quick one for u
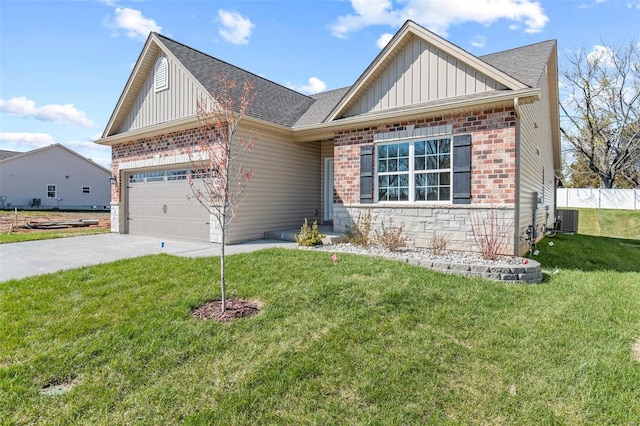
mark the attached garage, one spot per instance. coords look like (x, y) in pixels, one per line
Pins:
(157, 205)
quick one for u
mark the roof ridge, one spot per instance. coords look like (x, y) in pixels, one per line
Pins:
(229, 64)
(517, 48)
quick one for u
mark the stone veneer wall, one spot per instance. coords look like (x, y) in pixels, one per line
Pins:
(493, 178)
(421, 223)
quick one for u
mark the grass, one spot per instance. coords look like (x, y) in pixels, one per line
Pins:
(610, 223)
(50, 234)
(364, 341)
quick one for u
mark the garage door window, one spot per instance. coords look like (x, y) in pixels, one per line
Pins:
(173, 175)
(136, 178)
(155, 176)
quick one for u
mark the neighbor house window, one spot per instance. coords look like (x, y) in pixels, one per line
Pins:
(86, 190)
(414, 171)
(52, 191)
(161, 74)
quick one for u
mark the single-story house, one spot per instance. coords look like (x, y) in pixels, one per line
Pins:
(53, 177)
(428, 135)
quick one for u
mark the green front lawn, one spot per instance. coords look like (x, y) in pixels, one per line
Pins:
(610, 223)
(364, 341)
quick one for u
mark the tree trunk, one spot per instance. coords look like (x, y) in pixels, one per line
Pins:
(223, 285)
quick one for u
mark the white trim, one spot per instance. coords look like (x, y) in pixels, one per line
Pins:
(328, 189)
(55, 190)
(411, 173)
(157, 160)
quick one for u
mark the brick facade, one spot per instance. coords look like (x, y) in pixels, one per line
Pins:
(155, 151)
(493, 179)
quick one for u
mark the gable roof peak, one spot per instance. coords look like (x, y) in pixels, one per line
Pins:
(199, 52)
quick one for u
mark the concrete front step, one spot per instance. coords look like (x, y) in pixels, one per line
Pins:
(290, 235)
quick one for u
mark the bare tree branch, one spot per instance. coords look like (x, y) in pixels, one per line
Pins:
(216, 181)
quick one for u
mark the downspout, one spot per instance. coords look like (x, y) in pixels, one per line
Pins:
(516, 212)
(516, 106)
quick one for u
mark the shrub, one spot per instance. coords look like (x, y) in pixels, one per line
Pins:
(491, 231)
(391, 236)
(309, 236)
(438, 243)
(360, 235)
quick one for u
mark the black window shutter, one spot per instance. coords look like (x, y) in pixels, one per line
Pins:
(366, 174)
(462, 169)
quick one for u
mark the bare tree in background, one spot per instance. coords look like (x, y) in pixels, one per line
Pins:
(218, 179)
(602, 111)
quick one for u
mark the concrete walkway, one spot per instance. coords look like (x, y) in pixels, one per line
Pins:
(20, 260)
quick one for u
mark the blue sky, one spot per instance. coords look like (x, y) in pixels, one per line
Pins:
(63, 64)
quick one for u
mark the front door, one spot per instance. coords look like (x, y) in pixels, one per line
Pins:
(328, 190)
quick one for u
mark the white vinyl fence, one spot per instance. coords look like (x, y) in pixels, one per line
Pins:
(622, 199)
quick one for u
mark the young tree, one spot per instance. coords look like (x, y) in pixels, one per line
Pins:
(218, 180)
(602, 111)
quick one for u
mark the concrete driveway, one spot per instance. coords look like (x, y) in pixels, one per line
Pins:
(20, 260)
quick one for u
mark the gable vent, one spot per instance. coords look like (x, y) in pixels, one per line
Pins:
(161, 74)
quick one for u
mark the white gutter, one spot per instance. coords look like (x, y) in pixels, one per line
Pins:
(326, 130)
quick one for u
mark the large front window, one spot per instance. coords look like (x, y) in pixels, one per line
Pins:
(414, 171)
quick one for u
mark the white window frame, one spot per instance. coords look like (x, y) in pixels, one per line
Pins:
(177, 175)
(88, 190)
(155, 176)
(412, 172)
(136, 178)
(55, 190)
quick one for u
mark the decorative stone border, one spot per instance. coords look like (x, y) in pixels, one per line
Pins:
(510, 270)
(529, 273)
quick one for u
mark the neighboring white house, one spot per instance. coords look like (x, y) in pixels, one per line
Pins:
(53, 177)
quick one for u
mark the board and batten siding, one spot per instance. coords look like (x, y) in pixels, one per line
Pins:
(421, 73)
(536, 154)
(284, 190)
(179, 100)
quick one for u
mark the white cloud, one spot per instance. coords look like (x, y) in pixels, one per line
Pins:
(32, 140)
(601, 55)
(438, 16)
(132, 22)
(478, 41)
(23, 142)
(235, 29)
(23, 107)
(383, 40)
(315, 85)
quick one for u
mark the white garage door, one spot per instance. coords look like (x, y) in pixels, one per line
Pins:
(157, 205)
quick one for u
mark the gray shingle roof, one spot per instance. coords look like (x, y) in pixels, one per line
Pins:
(8, 154)
(323, 104)
(281, 105)
(273, 102)
(526, 64)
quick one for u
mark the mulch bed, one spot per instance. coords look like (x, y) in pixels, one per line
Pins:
(236, 308)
